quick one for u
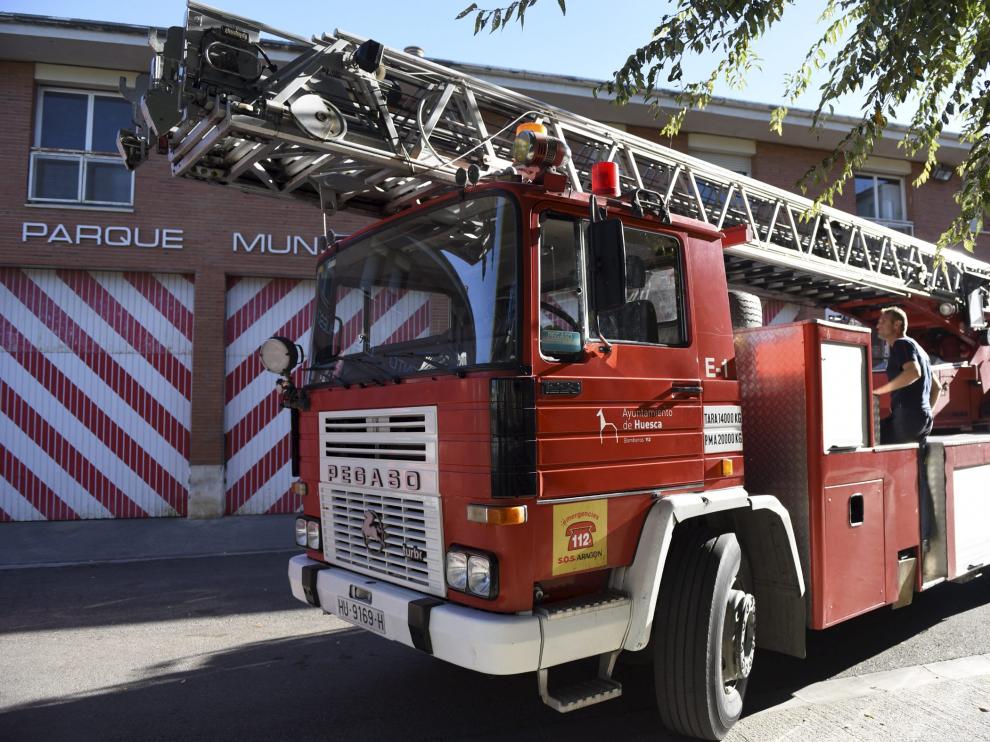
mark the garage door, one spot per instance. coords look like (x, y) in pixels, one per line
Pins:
(95, 382)
(256, 429)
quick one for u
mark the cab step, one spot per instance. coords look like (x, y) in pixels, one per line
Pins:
(583, 604)
(582, 693)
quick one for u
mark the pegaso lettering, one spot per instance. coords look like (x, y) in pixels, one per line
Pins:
(370, 476)
(101, 235)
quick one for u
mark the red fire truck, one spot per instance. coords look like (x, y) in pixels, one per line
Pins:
(520, 427)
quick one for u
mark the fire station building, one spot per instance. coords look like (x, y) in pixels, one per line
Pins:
(132, 305)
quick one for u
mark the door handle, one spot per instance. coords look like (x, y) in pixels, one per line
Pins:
(685, 389)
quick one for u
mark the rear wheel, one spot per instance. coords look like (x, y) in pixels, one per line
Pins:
(703, 634)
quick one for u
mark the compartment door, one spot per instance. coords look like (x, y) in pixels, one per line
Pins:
(853, 550)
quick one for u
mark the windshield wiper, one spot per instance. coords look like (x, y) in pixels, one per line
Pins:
(361, 359)
(425, 359)
(368, 361)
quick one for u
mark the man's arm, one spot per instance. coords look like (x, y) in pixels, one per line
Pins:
(910, 373)
(936, 391)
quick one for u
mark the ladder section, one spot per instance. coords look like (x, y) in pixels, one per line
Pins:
(350, 124)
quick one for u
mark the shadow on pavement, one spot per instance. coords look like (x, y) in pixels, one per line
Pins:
(113, 594)
(832, 651)
(347, 685)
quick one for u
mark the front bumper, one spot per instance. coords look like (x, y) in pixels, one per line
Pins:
(492, 643)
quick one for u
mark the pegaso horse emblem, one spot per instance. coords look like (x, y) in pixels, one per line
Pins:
(603, 425)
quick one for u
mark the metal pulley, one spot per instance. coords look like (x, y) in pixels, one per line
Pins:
(317, 117)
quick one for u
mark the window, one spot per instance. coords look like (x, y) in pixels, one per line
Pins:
(739, 164)
(653, 312)
(433, 292)
(654, 308)
(881, 198)
(562, 326)
(732, 153)
(74, 158)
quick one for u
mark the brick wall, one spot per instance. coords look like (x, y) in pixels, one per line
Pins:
(784, 165)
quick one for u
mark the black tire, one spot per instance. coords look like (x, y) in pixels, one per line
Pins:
(702, 574)
(746, 310)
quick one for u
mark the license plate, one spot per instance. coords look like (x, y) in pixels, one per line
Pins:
(361, 615)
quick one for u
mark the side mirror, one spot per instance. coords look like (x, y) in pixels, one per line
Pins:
(608, 265)
(974, 303)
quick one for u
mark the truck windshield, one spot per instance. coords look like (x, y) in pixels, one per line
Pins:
(436, 292)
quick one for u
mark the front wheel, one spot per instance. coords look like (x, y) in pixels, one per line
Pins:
(704, 634)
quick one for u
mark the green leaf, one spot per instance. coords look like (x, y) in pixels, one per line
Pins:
(508, 14)
(563, 6)
(469, 9)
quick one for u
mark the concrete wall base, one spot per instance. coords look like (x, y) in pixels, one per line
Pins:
(206, 492)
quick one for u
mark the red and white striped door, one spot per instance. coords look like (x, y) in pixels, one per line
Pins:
(95, 387)
(256, 429)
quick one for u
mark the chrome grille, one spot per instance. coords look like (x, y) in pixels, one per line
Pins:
(403, 434)
(411, 524)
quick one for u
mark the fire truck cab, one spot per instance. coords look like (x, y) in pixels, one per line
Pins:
(525, 403)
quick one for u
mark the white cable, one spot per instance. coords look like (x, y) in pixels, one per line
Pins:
(490, 137)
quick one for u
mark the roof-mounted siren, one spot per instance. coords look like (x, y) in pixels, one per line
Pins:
(534, 148)
(605, 179)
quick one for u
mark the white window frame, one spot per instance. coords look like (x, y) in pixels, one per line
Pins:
(901, 225)
(739, 164)
(82, 156)
(582, 258)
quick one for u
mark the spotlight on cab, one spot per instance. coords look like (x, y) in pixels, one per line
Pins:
(280, 355)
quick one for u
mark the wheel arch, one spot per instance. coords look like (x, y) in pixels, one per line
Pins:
(763, 528)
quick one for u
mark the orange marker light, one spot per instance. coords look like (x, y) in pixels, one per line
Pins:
(531, 126)
(726, 467)
(497, 515)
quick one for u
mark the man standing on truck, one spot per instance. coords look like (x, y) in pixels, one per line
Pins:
(910, 382)
(914, 389)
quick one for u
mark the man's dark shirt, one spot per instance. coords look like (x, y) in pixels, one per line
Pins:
(915, 395)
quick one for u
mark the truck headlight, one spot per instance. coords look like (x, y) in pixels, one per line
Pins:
(308, 533)
(479, 576)
(313, 535)
(473, 572)
(457, 570)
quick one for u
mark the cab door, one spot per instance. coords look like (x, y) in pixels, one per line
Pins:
(619, 395)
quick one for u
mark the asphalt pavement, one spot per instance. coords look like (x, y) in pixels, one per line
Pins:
(946, 696)
(63, 543)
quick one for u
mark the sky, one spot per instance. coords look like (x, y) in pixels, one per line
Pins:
(591, 41)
